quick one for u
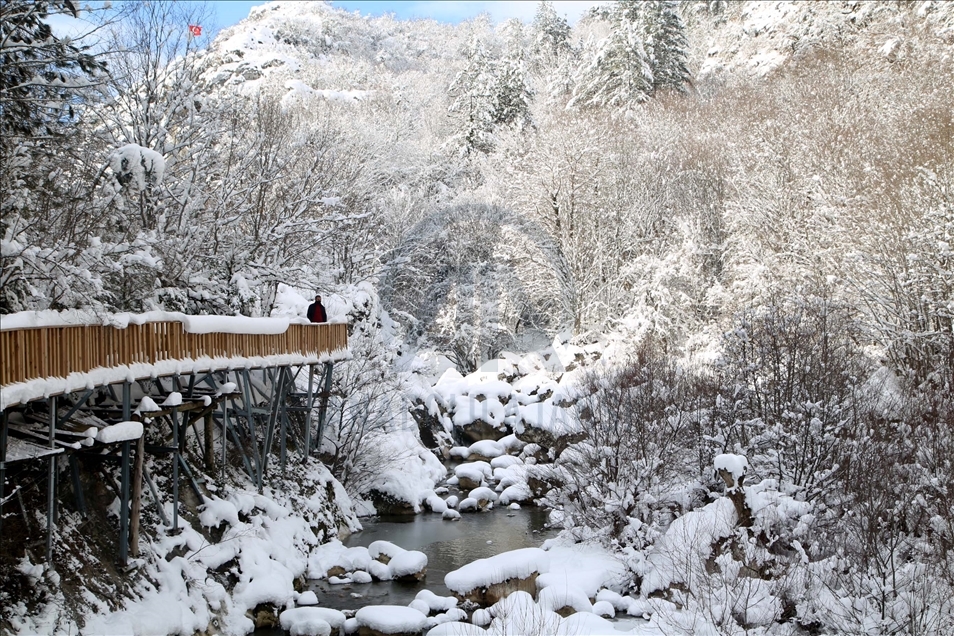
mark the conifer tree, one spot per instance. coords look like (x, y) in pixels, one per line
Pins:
(487, 93)
(618, 72)
(40, 74)
(665, 43)
(645, 52)
(551, 33)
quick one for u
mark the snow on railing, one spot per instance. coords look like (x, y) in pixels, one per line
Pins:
(151, 348)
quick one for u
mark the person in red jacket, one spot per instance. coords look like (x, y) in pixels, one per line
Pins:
(316, 311)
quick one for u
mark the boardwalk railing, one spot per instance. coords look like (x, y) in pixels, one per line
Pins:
(48, 352)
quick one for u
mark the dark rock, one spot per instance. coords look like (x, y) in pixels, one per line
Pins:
(479, 430)
(387, 504)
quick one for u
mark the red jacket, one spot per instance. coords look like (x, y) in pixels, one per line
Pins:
(316, 312)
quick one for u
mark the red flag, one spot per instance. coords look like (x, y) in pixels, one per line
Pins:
(195, 30)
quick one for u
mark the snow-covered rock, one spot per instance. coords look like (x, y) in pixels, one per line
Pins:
(486, 581)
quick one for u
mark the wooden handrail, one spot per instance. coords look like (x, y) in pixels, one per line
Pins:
(50, 352)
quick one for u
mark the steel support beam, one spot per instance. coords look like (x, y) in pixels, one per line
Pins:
(155, 496)
(225, 437)
(79, 404)
(3, 464)
(124, 506)
(247, 398)
(325, 394)
(175, 466)
(124, 482)
(309, 402)
(51, 480)
(191, 478)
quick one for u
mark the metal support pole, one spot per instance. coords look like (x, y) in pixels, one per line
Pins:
(51, 478)
(278, 397)
(247, 398)
(325, 394)
(155, 496)
(209, 450)
(3, 464)
(225, 438)
(124, 507)
(175, 469)
(137, 496)
(238, 445)
(309, 401)
(124, 482)
(191, 478)
(283, 420)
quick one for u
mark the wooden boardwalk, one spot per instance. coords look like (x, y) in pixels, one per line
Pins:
(47, 352)
(65, 390)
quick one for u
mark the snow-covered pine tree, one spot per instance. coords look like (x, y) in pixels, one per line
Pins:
(616, 71)
(487, 93)
(41, 75)
(510, 94)
(665, 43)
(472, 98)
(550, 34)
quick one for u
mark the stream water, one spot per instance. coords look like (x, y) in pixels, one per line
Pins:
(448, 545)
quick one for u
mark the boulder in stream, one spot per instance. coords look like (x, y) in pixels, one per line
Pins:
(390, 620)
(311, 621)
(486, 581)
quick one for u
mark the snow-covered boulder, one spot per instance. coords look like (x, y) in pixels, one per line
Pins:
(473, 474)
(564, 600)
(585, 623)
(408, 565)
(468, 505)
(518, 614)
(457, 628)
(485, 450)
(486, 581)
(384, 620)
(484, 496)
(311, 621)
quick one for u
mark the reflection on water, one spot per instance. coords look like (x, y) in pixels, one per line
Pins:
(448, 545)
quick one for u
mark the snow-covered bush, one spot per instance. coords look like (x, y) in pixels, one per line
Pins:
(635, 458)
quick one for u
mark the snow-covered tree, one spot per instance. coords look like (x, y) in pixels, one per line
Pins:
(42, 76)
(46, 87)
(550, 34)
(489, 92)
(616, 70)
(644, 52)
(665, 43)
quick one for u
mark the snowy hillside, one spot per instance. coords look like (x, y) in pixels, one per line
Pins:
(681, 274)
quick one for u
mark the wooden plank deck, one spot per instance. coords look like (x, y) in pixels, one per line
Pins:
(56, 352)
